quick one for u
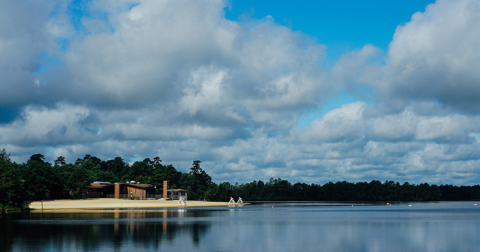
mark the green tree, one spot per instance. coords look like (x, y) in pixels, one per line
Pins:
(187, 181)
(77, 178)
(141, 170)
(11, 193)
(196, 181)
(211, 193)
(116, 166)
(225, 190)
(162, 172)
(60, 161)
(156, 160)
(38, 177)
(106, 176)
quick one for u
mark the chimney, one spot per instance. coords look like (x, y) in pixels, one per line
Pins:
(165, 188)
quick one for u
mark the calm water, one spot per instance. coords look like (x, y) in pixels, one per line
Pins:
(441, 226)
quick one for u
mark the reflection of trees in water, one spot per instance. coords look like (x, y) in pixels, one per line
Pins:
(6, 236)
(136, 229)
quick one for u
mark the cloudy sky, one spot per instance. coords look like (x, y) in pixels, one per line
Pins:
(308, 91)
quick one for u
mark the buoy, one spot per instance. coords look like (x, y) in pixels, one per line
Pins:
(474, 204)
(409, 205)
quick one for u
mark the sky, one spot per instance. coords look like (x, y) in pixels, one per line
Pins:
(308, 91)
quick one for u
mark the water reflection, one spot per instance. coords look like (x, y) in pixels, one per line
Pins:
(450, 226)
(87, 231)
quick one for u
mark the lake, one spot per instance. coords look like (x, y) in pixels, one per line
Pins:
(262, 226)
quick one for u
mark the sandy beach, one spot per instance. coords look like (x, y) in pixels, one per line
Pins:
(104, 203)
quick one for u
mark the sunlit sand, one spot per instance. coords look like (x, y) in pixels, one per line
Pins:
(119, 203)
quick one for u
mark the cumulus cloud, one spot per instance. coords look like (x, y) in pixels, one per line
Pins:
(186, 52)
(355, 141)
(338, 124)
(23, 37)
(172, 70)
(354, 121)
(435, 56)
(41, 126)
(176, 79)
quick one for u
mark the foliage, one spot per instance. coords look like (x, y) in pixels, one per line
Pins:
(197, 181)
(38, 177)
(38, 180)
(11, 192)
(77, 178)
(280, 190)
(169, 173)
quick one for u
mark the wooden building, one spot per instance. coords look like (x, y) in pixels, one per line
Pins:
(132, 190)
(135, 191)
(100, 189)
(175, 194)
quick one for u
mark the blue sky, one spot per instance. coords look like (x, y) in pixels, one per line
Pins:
(309, 91)
(341, 25)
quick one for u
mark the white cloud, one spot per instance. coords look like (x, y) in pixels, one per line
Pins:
(40, 126)
(176, 79)
(23, 37)
(187, 53)
(435, 56)
(338, 124)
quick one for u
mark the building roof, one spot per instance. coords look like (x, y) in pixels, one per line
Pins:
(177, 190)
(96, 185)
(102, 183)
(142, 186)
(145, 186)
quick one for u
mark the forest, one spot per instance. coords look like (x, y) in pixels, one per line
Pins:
(36, 179)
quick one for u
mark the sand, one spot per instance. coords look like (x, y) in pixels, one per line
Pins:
(104, 203)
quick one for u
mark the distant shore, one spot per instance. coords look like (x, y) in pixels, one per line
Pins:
(104, 203)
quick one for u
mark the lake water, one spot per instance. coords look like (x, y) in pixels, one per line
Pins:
(290, 226)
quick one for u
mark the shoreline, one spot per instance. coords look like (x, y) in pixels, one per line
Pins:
(109, 204)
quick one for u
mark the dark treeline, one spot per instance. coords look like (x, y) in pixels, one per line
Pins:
(279, 190)
(282, 190)
(39, 180)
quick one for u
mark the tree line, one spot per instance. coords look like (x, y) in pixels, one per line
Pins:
(36, 179)
(282, 190)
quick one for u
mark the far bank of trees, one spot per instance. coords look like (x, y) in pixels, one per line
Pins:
(282, 190)
(37, 179)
